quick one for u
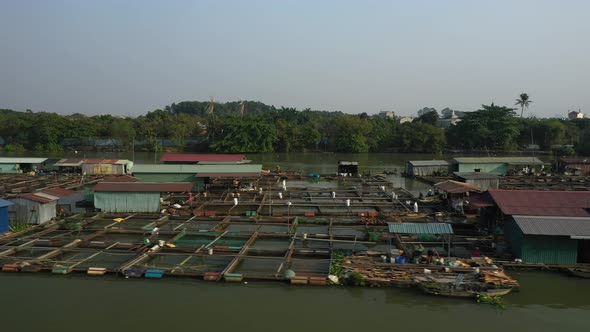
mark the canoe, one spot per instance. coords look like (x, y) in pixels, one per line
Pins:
(445, 290)
(580, 272)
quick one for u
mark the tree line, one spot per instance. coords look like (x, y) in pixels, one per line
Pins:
(254, 127)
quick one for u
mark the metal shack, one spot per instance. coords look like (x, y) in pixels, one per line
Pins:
(134, 196)
(495, 165)
(427, 167)
(575, 166)
(20, 165)
(550, 227)
(41, 206)
(217, 159)
(106, 166)
(484, 181)
(4, 218)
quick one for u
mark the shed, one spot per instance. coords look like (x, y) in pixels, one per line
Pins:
(348, 167)
(575, 166)
(484, 181)
(549, 240)
(20, 165)
(199, 175)
(106, 166)
(495, 165)
(542, 203)
(134, 196)
(69, 165)
(455, 192)
(442, 229)
(183, 158)
(4, 219)
(427, 167)
(41, 206)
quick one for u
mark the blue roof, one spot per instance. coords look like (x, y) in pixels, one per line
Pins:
(420, 228)
(5, 203)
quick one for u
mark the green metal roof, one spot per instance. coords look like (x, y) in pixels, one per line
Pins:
(193, 169)
(419, 228)
(499, 160)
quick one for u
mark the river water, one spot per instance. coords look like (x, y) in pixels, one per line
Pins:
(29, 302)
(36, 302)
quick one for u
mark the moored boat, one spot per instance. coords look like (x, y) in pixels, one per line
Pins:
(580, 272)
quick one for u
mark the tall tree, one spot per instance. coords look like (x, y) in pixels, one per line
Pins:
(523, 102)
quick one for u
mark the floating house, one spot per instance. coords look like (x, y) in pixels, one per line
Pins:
(456, 192)
(348, 167)
(41, 206)
(4, 216)
(484, 181)
(95, 166)
(20, 165)
(134, 196)
(574, 166)
(203, 159)
(549, 227)
(496, 165)
(199, 175)
(427, 167)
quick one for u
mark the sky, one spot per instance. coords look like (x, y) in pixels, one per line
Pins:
(129, 57)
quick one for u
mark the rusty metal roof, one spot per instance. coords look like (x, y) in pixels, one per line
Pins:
(456, 187)
(542, 203)
(194, 158)
(48, 195)
(59, 192)
(120, 178)
(556, 226)
(144, 186)
(419, 228)
(228, 175)
(580, 160)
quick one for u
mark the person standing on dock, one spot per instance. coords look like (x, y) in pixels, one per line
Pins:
(415, 207)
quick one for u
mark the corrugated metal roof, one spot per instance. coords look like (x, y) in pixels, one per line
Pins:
(542, 203)
(144, 186)
(184, 157)
(227, 175)
(194, 169)
(40, 197)
(581, 160)
(556, 226)
(420, 228)
(456, 187)
(120, 178)
(106, 161)
(69, 162)
(428, 162)
(476, 175)
(499, 160)
(21, 160)
(59, 192)
(5, 203)
(480, 201)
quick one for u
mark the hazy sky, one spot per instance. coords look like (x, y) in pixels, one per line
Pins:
(131, 57)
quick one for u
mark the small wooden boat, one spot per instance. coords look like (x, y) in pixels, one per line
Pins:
(580, 272)
(461, 290)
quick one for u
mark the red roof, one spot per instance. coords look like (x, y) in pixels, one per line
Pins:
(48, 195)
(120, 178)
(144, 186)
(59, 192)
(195, 158)
(101, 161)
(39, 198)
(542, 203)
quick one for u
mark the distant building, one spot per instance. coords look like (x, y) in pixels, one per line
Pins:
(575, 115)
(387, 115)
(449, 117)
(404, 119)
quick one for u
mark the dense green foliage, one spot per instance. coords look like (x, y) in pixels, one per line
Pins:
(222, 127)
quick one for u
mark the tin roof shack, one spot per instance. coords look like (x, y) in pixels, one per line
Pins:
(427, 167)
(350, 168)
(549, 240)
(575, 166)
(4, 220)
(484, 181)
(41, 206)
(201, 159)
(496, 165)
(199, 175)
(106, 166)
(69, 165)
(456, 192)
(442, 230)
(20, 165)
(134, 196)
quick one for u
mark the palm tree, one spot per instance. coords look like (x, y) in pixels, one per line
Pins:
(523, 102)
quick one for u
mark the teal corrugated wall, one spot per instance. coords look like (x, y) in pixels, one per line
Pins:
(165, 177)
(514, 237)
(549, 250)
(8, 168)
(496, 168)
(127, 201)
